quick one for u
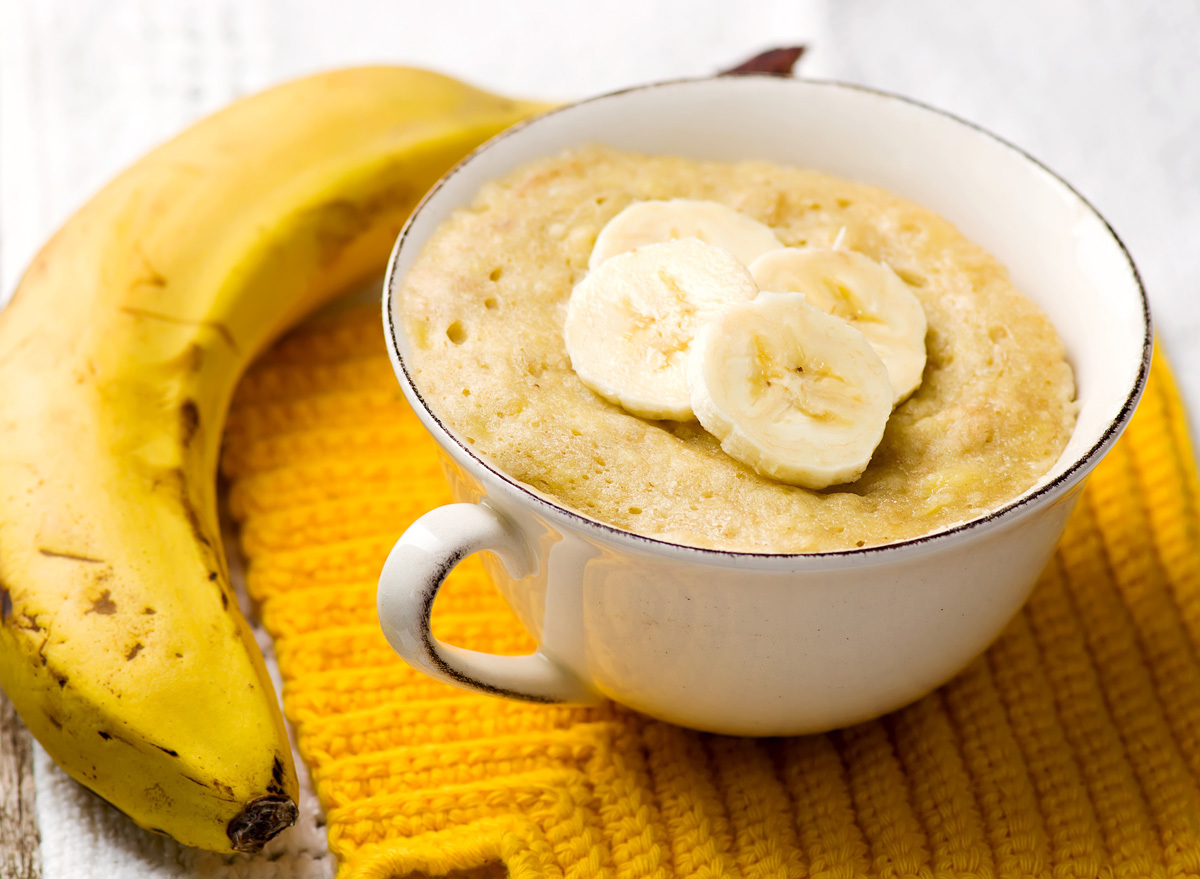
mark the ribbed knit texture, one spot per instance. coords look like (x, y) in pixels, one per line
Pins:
(1072, 748)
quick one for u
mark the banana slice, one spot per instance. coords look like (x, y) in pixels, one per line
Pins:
(649, 222)
(790, 391)
(630, 323)
(867, 295)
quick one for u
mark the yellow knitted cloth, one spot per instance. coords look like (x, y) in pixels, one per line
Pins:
(1072, 748)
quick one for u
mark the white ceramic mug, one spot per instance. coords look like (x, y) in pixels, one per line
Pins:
(749, 643)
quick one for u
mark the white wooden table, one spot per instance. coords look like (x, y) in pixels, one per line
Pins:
(1106, 93)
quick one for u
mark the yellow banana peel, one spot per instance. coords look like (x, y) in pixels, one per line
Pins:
(121, 644)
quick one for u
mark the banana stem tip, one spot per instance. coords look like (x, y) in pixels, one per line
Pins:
(261, 821)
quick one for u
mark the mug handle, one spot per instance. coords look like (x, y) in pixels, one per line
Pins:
(412, 575)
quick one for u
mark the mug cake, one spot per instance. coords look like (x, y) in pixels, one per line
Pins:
(681, 413)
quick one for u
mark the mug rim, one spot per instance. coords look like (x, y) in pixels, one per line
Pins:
(1011, 511)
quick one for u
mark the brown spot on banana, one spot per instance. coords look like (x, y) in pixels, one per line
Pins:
(103, 605)
(275, 786)
(191, 359)
(41, 649)
(342, 221)
(133, 651)
(71, 556)
(152, 277)
(223, 791)
(157, 797)
(216, 326)
(6, 604)
(111, 736)
(189, 421)
(170, 478)
(167, 751)
(189, 510)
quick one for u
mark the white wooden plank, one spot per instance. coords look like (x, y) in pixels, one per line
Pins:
(20, 852)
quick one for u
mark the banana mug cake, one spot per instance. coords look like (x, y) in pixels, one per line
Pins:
(742, 356)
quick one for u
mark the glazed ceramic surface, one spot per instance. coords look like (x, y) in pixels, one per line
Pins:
(750, 643)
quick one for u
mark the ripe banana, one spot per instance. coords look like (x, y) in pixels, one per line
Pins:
(630, 322)
(796, 394)
(867, 295)
(120, 640)
(649, 222)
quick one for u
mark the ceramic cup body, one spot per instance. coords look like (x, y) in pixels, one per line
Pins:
(763, 644)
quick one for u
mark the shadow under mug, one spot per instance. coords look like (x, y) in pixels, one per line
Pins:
(760, 644)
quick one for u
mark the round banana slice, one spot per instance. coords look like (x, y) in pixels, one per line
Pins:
(649, 222)
(630, 323)
(869, 296)
(798, 395)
